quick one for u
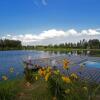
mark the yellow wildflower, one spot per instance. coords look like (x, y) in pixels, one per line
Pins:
(5, 78)
(47, 76)
(65, 64)
(66, 79)
(73, 75)
(42, 72)
(67, 91)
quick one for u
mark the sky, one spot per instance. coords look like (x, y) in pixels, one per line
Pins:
(46, 22)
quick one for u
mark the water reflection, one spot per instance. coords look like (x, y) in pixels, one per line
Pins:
(16, 58)
(76, 52)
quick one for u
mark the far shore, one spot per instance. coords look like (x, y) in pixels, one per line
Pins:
(53, 49)
(65, 49)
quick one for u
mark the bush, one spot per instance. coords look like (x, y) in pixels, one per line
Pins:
(67, 91)
(29, 75)
(69, 86)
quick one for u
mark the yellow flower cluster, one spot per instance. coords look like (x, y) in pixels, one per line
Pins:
(65, 64)
(47, 76)
(45, 72)
(66, 79)
(42, 72)
(4, 77)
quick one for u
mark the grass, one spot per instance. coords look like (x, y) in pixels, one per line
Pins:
(37, 91)
(42, 92)
(21, 89)
(9, 89)
(18, 90)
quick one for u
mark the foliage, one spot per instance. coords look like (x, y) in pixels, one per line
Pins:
(29, 75)
(82, 44)
(47, 84)
(67, 87)
(10, 44)
(8, 89)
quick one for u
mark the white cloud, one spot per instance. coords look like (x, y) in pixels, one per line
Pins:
(90, 32)
(55, 36)
(8, 35)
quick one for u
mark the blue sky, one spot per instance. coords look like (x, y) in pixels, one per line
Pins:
(33, 17)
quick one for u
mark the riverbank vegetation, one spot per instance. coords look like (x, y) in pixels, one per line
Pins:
(49, 83)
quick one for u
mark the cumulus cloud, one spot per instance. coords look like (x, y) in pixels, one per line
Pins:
(55, 36)
(90, 32)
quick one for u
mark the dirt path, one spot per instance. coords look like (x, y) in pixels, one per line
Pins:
(26, 93)
(35, 91)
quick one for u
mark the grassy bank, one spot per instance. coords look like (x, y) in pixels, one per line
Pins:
(9, 89)
(18, 90)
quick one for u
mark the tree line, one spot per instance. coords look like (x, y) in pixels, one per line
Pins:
(82, 44)
(10, 44)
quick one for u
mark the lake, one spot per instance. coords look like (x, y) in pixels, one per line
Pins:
(92, 64)
(15, 59)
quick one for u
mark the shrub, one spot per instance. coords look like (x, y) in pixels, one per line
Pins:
(67, 87)
(29, 75)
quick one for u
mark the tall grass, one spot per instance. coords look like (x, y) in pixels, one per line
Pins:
(9, 89)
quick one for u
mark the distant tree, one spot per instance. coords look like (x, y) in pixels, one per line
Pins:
(94, 44)
(10, 44)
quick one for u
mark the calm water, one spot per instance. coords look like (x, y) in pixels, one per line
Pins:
(92, 64)
(15, 59)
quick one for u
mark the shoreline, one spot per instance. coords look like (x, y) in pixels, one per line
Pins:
(53, 49)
